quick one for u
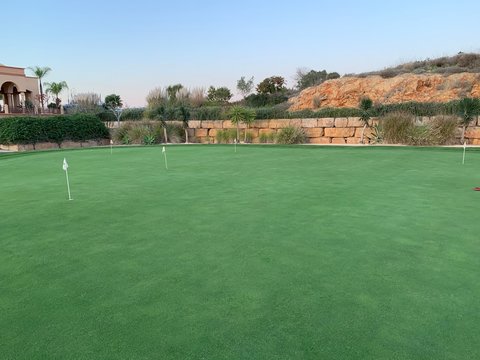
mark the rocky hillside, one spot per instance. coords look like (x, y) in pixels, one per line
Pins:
(348, 90)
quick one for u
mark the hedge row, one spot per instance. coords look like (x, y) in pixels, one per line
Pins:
(32, 130)
(281, 111)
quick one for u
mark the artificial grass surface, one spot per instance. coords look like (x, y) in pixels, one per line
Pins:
(269, 253)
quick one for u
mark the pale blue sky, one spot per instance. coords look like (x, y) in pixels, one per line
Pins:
(131, 47)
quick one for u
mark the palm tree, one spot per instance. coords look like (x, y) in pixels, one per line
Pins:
(184, 114)
(365, 106)
(40, 73)
(248, 119)
(467, 109)
(160, 113)
(56, 89)
(237, 115)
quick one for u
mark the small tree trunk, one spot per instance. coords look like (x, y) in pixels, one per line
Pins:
(186, 136)
(464, 128)
(238, 133)
(41, 95)
(165, 134)
(362, 141)
(245, 137)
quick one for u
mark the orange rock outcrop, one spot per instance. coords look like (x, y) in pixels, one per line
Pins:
(347, 91)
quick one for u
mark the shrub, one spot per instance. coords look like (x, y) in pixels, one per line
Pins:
(219, 136)
(149, 139)
(176, 133)
(420, 135)
(208, 113)
(263, 138)
(443, 129)
(397, 127)
(225, 136)
(120, 135)
(32, 130)
(400, 128)
(248, 137)
(262, 100)
(133, 114)
(291, 135)
(137, 134)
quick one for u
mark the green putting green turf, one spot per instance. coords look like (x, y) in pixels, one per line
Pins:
(267, 253)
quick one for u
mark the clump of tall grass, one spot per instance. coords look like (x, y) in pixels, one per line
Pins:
(291, 135)
(400, 128)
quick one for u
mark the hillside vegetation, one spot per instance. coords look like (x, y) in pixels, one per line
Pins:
(430, 81)
(462, 62)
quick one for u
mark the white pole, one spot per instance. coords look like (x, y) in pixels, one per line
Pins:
(235, 141)
(111, 147)
(68, 185)
(165, 156)
(464, 149)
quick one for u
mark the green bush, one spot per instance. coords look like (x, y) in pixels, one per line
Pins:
(262, 100)
(133, 114)
(291, 135)
(32, 130)
(149, 139)
(226, 136)
(209, 113)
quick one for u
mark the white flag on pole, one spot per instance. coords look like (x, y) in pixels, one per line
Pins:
(163, 149)
(464, 149)
(65, 168)
(65, 164)
(111, 142)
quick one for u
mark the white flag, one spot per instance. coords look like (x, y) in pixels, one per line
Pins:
(65, 165)
(163, 149)
(111, 142)
(465, 145)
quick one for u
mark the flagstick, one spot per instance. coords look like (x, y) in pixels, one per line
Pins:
(68, 185)
(464, 149)
(111, 147)
(165, 156)
(235, 141)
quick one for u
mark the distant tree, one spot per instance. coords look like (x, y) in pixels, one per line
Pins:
(245, 87)
(333, 75)
(307, 78)
(365, 106)
(55, 89)
(113, 103)
(271, 85)
(240, 114)
(172, 91)
(40, 73)
(113, 100)
(87, 102)
(220, 95)
(156, 97)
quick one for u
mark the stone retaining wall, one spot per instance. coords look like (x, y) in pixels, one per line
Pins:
(319, 131)
(50, 146)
